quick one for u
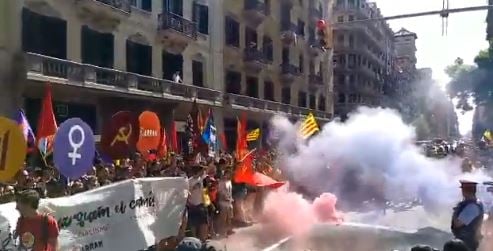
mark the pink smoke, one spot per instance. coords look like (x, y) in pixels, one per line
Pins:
(288, 213)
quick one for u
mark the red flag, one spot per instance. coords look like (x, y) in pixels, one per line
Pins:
(173, 138)
(47, 125)
(224, 143)
(162, 149)
(244, 170)
(241, 141)
(262, 180)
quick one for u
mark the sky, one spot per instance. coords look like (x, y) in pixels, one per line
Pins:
(465, 38)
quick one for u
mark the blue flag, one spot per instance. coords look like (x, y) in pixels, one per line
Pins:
(209, 134)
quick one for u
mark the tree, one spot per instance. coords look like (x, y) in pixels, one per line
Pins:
(472, 81)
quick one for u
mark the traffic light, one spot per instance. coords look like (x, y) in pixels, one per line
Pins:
(324, 35)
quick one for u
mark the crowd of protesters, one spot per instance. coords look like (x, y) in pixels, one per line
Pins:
(215, 205)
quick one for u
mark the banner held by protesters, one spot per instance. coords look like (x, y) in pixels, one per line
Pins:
(74, 148)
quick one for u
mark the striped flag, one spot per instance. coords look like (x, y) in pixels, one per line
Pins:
(27, 131)
(309, 126)
(253, 135)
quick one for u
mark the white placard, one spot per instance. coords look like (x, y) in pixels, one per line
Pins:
(129, 215)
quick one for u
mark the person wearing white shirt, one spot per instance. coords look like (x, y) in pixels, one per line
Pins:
(177, 78)
(225, 202)
(197, 212)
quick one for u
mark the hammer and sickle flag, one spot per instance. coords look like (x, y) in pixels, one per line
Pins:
(120, 135)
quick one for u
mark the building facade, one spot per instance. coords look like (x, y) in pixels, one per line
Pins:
(363, 55)
(104, 56)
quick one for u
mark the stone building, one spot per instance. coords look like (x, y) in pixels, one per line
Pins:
(363, 55)
(104, 56)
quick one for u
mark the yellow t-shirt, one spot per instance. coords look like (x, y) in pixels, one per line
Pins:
(207, 198)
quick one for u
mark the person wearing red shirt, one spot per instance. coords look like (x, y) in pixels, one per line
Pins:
(36, 231)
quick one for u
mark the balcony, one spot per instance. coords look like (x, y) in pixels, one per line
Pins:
(175, 31)
(314, 46)
(47, 69)
(270, 107)
(288, 33)
(315, 80)
(105, 14)
(289, 72)
(254, 12)
(253, 59)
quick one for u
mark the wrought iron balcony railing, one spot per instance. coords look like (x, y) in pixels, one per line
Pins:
(44, 68)
(316, 79)
(255, 5)
(289, 69)
(177, 23)
(288, 27)
(252, 54)
(123, 5)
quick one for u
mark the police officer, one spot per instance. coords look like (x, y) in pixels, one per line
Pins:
(467, 217)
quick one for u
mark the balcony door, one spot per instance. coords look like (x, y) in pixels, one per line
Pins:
(173, 6)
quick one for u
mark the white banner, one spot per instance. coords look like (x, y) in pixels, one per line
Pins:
(129, 215)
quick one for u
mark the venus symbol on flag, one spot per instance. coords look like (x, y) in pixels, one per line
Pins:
(74, 148)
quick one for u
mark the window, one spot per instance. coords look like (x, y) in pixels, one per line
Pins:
(285, 55)
(286, 95)
(232, 30)
(321, 103)
(197, 73)
(352, 98)
(201, 17)
(97, 48)
(267, 48)
(252, 87)
(142, 4)
(251, 38)
(351, 41)
(174, 6)
(269, 90)
(340, 39)
(313, 102)
(233, 82)
(139, 58)
(340, 19)
(34, 24)
(267, 7)
(341, 79)
(301, 63)
(351, 18)
(302, 99)
(351, 61)
(301, 28)
(341, 98)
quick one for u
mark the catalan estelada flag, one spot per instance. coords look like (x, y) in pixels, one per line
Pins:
(487, 136)
(309, 126)
(253, 135)
(26, 129)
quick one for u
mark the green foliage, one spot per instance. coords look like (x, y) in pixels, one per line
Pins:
(472, 81)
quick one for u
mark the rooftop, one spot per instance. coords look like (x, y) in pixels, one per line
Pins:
(405, 33)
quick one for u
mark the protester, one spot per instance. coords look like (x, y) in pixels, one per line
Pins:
(36, 231)
(455, 245)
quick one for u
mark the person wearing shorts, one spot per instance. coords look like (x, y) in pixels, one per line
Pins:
(225, 203)
(197, 211)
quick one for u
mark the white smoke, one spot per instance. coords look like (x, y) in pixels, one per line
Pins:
(377, 148)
